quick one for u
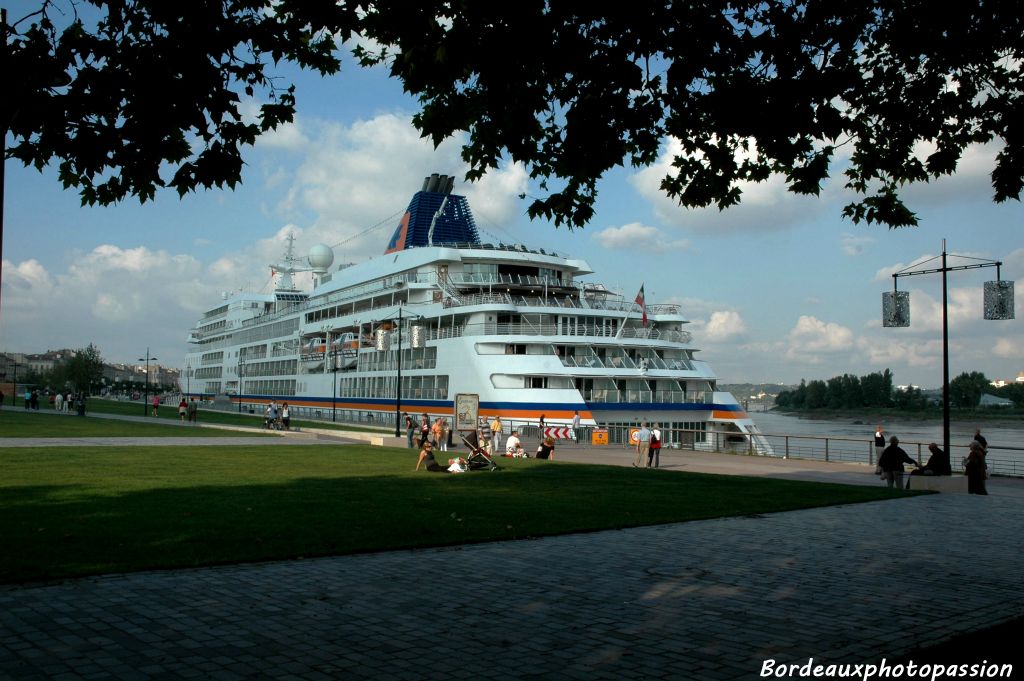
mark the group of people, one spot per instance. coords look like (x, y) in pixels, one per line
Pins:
(892, 457)
(648, 446)
(437, 432)
(188, 410)
(486, 438)
(60, 401)
(276, 418)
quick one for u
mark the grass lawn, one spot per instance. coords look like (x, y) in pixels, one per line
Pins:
(91, 510)
(169, 412)
(21, 423)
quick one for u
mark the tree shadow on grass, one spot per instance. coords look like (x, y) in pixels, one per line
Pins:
(58, 531)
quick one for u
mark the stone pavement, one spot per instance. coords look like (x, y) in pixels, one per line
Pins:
(701, 600)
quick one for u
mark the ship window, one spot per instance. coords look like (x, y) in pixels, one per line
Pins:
(515, 349)
(537, 382)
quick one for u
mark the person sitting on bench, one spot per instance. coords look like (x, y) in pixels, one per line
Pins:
(938, 463)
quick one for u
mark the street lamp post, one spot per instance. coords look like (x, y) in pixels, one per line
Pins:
(188, 379)
(998, 305)
(241, 373)
(145, 400)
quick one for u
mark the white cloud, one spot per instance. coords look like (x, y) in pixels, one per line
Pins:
(122, 299)
(759, 200)
(853, 244)
(638, 237)
(812, 337)
(726, 325)
(1009, 348)
(359, 176)
(881, 351)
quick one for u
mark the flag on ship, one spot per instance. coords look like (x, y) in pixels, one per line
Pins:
(640, 302)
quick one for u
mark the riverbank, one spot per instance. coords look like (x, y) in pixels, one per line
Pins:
(1002, 418)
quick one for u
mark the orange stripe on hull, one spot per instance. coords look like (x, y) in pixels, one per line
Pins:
(718, 414)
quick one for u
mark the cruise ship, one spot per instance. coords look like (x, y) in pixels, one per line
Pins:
(441, 313)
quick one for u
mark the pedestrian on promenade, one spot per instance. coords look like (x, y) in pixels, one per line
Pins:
(891, 461)
(67, 402)
(879, 447)
(654, 454)
(156, 404)
(575, 425)
(975, 469)
(410, 429)
(35, 399)
(286, 416)
(182, 409)
(424, 430)
(28, 399)
(485, 435)
(643, 444)
(980, 439)
(193, 411)
(58, 402)
(496, 427)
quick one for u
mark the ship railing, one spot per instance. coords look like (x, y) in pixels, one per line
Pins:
(528, 329)
(602, 395)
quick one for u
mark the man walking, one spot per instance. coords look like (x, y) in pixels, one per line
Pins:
(643, 445)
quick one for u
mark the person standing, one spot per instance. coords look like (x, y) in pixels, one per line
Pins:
(58, 402)
(286, 416)
(496, 427)
(443, 432)
(182, 409)
(891, 461)
(28, 399)
(424, 430)
(655, 451)
(410, 429)
(879, 447)
(67, 402)
(975, 469)
(643, 445)
(156, 404)
(193, 411)
(486, 435)
(575, 425)
(980, 439)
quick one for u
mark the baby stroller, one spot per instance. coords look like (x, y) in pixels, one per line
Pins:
(477, 459)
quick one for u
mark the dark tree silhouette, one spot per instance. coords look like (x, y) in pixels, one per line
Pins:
(142, 94)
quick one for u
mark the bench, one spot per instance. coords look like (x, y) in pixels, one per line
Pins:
(939, 483)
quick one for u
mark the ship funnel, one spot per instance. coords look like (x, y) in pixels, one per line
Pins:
(439, 184)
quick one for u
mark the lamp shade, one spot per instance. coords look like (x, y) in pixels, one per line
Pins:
(998, 300)
(419, 336)
(383, 339)
(896, 308)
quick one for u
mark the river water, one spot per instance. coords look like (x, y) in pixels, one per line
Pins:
(1005, 438)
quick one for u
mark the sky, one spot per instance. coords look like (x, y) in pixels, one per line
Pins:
(778, 289)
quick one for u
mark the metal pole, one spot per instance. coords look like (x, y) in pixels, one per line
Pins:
(145, 399)
(241, 367)
(398, 387)
(334, 393)
(945, 358)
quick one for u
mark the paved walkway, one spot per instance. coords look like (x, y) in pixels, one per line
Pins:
(700, 600)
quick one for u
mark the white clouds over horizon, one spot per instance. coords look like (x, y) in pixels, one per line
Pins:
(636, 236)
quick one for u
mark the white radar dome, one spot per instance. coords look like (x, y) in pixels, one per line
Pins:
(321, 257)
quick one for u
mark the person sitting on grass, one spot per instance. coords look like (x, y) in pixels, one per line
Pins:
(428, 461)
(547, 449)
(513, 446)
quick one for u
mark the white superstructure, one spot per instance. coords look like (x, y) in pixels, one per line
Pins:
(521, 328)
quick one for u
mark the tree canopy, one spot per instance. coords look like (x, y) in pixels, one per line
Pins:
(883, 92)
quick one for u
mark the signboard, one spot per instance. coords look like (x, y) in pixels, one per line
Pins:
(599, 436)
(559, 433)
(467, 408)
(634, 436)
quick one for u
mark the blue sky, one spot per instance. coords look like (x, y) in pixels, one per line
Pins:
(778, 289)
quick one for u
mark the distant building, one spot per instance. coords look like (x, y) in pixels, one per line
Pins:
(993, 401)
